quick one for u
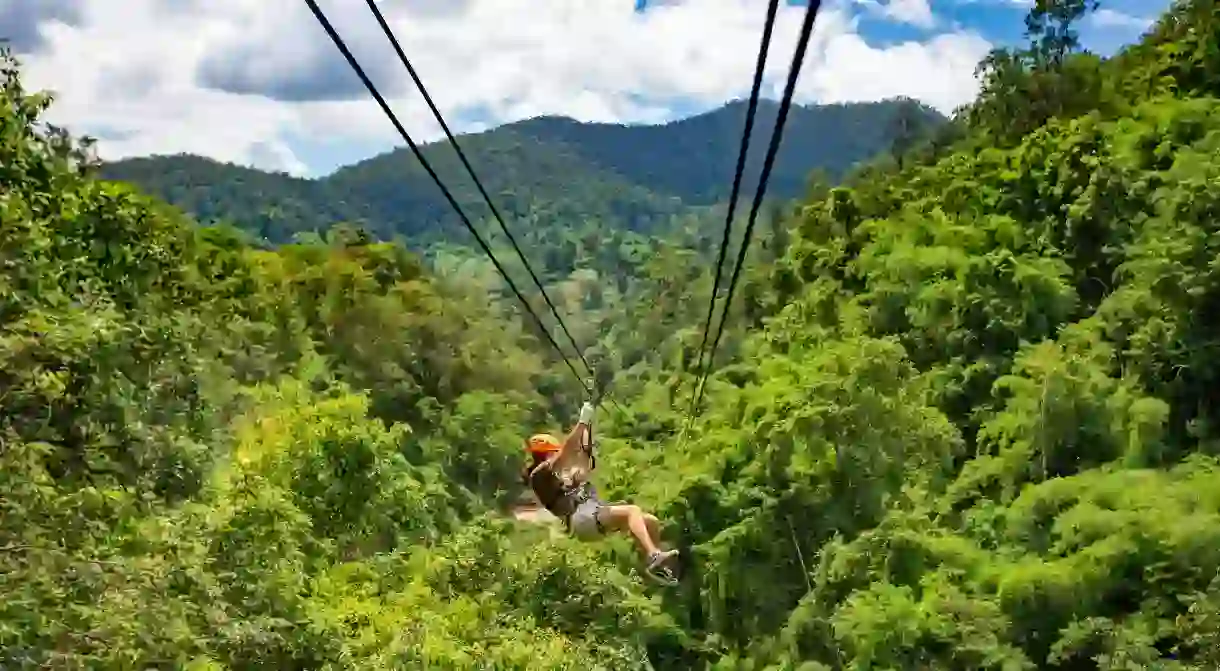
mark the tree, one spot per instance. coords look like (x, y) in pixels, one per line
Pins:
(1050, 27)
(965, 417)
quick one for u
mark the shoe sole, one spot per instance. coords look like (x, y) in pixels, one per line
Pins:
(660, 579)
(665, 582)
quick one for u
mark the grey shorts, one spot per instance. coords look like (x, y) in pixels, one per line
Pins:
(584, 523)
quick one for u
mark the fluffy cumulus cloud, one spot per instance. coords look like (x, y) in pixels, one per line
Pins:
(915, 12)
(247, 80)
(22, 21)
(1109, 18)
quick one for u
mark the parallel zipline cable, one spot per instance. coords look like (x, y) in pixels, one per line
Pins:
(402, 56)
(751, 109)
(798, 58)
(351, 60)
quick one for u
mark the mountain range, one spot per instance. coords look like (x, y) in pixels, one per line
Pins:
(545, 169)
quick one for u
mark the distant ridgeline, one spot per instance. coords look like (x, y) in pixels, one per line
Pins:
(548, 170)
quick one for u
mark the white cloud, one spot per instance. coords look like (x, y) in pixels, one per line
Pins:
(1010, 3)
(134, 69)
(1108, 18)
(91, 69)
(915, 12)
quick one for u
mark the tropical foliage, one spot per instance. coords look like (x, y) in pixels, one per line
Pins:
(966, 416)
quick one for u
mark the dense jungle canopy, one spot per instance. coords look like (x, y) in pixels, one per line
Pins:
(967, 415)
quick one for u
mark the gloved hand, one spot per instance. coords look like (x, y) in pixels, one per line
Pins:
(586, 414)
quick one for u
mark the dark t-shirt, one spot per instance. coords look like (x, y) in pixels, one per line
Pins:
(557, 496)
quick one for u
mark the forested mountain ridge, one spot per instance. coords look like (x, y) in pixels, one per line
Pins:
(693, 158)
(550, 170)
(965, 417)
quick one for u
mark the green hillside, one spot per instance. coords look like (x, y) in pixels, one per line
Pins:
(544, 170)
(693, 158)
(966, 417)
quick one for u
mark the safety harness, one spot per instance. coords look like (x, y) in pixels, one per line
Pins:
(584, 492)
(556, 495)
(560, 498)
(588, 447)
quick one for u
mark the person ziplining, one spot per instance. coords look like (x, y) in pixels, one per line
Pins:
(559, 474)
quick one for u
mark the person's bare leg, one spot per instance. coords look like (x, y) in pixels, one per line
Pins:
(654, 528)
(654, 531)
(631, 519)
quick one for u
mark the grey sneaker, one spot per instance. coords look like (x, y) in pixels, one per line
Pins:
(659, 571)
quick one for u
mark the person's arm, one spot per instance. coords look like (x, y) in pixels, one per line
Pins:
(572, 447)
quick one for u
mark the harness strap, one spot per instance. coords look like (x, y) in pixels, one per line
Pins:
(580, 496)
(587, 444)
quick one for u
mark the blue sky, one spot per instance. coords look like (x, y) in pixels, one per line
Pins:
(998, 21)
(256, 82)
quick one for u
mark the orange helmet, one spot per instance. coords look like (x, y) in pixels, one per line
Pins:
(543, 444)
